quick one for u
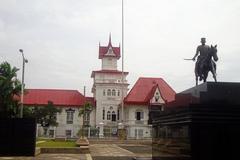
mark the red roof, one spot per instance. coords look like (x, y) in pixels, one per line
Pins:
(104, 49)
(107, 71)
(58, 97)
(144, 89)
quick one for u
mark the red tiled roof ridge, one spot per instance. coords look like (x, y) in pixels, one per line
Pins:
(151, 93)
(158, 78)
(60, 97)
(104, 49)
(51, 89)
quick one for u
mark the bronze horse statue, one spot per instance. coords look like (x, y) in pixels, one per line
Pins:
(206, 65)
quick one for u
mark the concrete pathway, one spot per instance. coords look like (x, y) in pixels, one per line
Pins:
(109, 150)
(51, 157)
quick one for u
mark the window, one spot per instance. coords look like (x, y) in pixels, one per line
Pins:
(109, 92)
(114, 116)
(70, 114)
(139, 115)
(68, 133)
(157, 96)
(113, 92)
(103, 114)
(104, 93)
(118, 93)
(108, 115)
(140, 133)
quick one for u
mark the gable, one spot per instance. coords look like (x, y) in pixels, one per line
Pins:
(157, 97)
(110, 52)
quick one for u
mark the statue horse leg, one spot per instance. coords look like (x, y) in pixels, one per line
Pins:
(196, 77)
(214, 76)
(196, 80)
(205, 75)
(213, 70)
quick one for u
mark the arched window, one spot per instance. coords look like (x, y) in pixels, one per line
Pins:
(103, 114)
(118, 93)
(113, 116)
(108, 115)
(113, 92)
(104, 93)
(109, 92)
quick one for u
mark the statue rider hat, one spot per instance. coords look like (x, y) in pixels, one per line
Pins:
(203, 39)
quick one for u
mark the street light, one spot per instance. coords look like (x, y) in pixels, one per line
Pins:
(23, 85)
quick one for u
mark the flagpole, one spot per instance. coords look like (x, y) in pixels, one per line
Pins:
(122, 104)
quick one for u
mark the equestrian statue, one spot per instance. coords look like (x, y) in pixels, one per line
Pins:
(206, 58)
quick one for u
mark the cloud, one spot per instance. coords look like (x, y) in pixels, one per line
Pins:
(60, 38)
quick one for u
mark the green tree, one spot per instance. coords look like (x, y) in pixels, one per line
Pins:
(46, 115)
(84, 112)
(10, 90)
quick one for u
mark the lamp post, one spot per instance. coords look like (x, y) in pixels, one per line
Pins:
(23, 85)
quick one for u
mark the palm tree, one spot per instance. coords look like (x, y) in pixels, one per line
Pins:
(85, 112)
(10, 89)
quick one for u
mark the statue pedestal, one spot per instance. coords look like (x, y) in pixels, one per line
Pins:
(203, 123)
(216, 92)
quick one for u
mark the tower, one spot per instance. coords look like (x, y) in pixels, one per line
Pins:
(107, 86)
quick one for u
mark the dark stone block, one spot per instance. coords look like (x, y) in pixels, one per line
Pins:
(210, 126)
(220, 92)
(17, 137)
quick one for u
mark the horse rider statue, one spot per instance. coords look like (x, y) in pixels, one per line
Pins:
(204, 62)
(202, 51)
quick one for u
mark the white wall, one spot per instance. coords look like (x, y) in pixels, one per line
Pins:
(60, 130)
(134, 125)
(109, 63)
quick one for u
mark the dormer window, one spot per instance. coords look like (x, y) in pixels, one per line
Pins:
(157, 96)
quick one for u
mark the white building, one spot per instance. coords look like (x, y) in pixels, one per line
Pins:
(107, 88)
(146, 98)
(147, 94)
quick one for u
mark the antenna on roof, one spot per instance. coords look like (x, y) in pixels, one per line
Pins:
(110, 39)
(84, 91)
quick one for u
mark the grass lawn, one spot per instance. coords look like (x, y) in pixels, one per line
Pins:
(56, 144)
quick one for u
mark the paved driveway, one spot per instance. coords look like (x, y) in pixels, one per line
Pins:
(49, 157)
(109, 150)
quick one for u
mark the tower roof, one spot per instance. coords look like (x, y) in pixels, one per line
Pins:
(109, 50)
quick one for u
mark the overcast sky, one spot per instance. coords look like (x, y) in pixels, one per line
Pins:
(60, 39)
